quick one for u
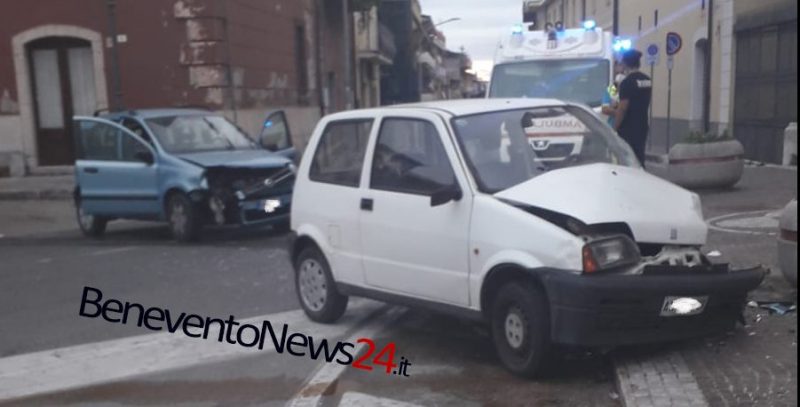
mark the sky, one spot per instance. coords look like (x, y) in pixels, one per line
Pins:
(479, 30)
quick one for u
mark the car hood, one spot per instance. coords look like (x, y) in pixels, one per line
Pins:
(236, 159)
(656, 211)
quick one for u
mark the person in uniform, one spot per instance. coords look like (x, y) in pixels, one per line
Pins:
(631, 115)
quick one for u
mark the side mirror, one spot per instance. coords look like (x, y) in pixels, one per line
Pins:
(446, 194)
(145, 157)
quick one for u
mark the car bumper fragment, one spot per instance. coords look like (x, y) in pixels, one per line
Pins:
(607, 310)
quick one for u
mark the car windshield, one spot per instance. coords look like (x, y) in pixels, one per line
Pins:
(196, 133)
(506, 148)
(573, 80)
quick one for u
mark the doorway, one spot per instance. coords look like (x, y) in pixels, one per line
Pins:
(62, 85)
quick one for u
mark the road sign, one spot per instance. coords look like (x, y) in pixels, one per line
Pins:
(652, 54)
(674, 43)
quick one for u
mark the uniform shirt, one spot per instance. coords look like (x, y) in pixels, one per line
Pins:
(637, 88)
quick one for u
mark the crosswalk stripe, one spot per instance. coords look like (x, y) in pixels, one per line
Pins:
(101, 362)
(327, 374)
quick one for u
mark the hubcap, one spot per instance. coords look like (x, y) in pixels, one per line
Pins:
(313, 288)
(515, 328)
(178, 217)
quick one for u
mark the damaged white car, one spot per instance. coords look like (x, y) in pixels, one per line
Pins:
(447, 205)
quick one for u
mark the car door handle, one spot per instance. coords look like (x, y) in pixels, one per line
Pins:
(91, 170)
(366, 204)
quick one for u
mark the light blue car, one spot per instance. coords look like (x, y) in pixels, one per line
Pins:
(189, 167)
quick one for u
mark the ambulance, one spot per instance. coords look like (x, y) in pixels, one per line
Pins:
(573, 65)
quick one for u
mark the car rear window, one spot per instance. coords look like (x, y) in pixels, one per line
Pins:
(339, 156)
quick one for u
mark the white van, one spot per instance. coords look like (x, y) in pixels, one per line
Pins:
(418, 205)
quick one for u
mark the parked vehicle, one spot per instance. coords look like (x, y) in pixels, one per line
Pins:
(418, 205)
(787, 242)
(188, 167)
(572, 64)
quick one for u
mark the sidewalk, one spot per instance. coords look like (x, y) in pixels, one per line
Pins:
(37, 187)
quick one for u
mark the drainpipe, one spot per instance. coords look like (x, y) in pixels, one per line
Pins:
(116, 100)
(348, 79)
(318, 55)
(707, 73)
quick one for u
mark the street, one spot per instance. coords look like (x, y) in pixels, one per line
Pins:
(46, 263)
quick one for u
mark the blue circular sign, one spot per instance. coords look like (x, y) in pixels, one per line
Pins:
(652, 50)
(674, 43)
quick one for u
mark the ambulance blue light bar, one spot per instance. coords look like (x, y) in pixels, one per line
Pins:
(589, 25)
(622, 44)
(517, 29)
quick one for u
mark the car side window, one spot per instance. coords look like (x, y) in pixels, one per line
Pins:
(136, 129)
(410, 158)
(97, 141)
(130, 148)
(339, 156)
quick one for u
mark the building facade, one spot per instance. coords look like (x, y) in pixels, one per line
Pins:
(736, 74)
(241, 58)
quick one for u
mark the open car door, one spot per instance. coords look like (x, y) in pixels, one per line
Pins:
(275, 135)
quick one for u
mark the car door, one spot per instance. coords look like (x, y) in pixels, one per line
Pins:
(329, 200)
(409, 246)
(116, 171)
(275, 135)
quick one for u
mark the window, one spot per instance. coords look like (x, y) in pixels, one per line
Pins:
(198, 133)
(410, 158)
(104, 142)
(339, 157)
(136, 129)
(97, 141)
(131, 149)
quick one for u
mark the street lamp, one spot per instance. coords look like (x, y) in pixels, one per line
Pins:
(449, 20)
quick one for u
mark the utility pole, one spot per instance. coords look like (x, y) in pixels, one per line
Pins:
(116, 82)
(616, 18)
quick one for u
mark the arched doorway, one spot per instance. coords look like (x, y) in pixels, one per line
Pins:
(60, 73)
(62, 85)
(699, 80)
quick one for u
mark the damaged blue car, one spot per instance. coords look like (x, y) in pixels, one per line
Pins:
(191, 168)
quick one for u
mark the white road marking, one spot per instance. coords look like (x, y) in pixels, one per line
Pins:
(114, 250)
(747, 223)
(101, 362)
(327, 374)
(354, 399)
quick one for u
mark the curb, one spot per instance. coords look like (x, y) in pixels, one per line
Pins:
(661, 380)
(25, 195)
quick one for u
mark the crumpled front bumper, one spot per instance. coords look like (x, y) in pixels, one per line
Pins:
(607, 310)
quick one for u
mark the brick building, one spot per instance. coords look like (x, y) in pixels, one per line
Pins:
(240, 57)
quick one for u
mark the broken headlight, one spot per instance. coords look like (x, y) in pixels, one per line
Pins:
(610, 253)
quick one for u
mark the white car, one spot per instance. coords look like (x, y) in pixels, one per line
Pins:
(417, 205)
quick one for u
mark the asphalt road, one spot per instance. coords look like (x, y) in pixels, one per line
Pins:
(45, 263)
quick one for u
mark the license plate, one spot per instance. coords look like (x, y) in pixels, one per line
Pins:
(680, 306)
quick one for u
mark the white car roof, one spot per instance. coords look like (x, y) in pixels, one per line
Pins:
(459, 107)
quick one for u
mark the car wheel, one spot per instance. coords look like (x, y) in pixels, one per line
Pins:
(521, 328)
(91, 225)
(316, 288)
(183, 218)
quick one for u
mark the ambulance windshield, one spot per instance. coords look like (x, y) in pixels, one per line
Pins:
(573, 80)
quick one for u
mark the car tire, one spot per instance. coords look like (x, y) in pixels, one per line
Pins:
(520, 324)
(183, 218)
(316, 288)
(90, 225)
